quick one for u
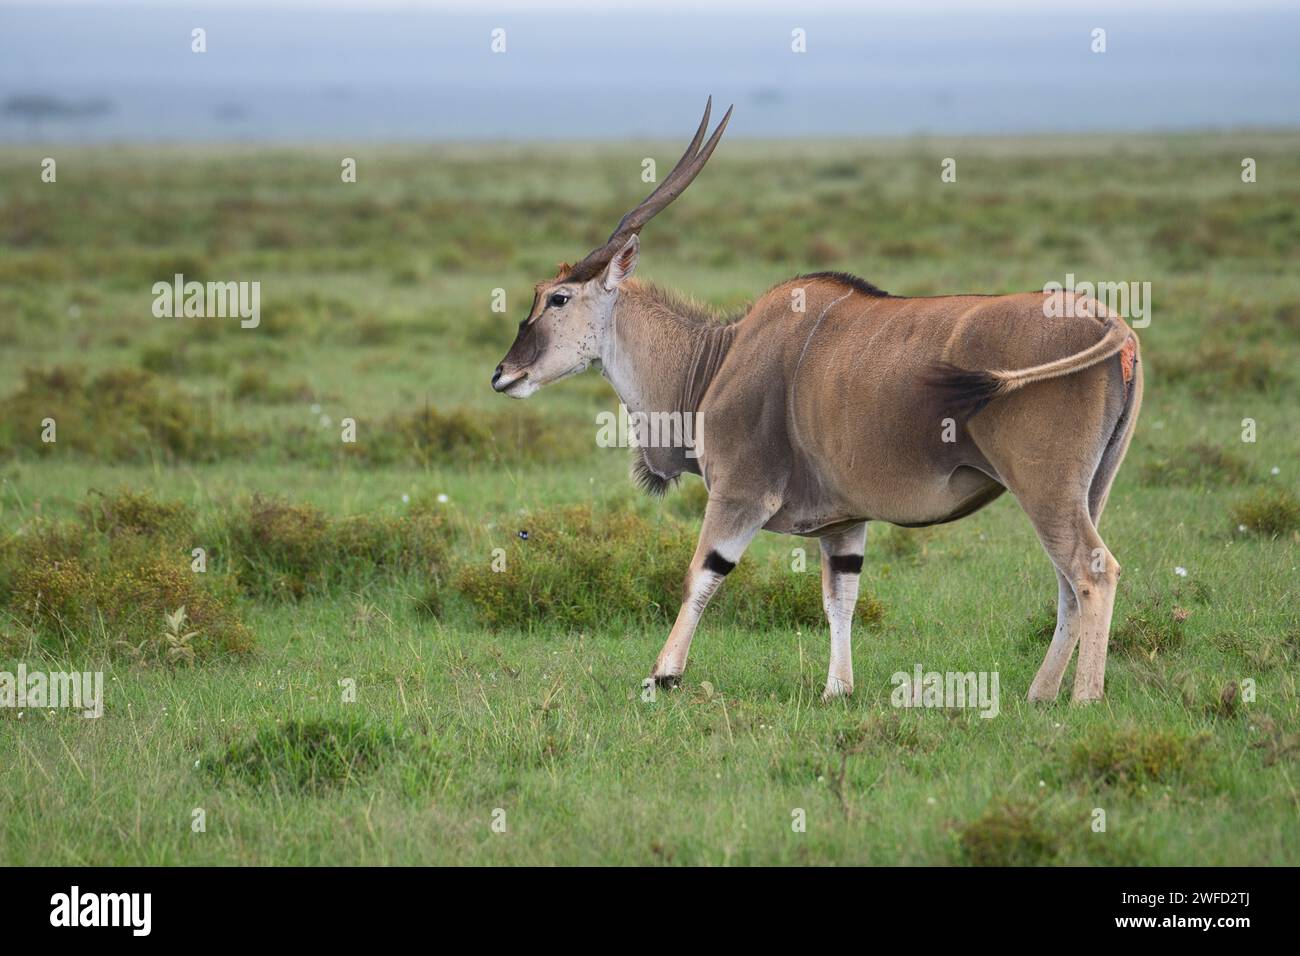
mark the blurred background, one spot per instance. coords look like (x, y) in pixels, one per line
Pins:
(346, 70)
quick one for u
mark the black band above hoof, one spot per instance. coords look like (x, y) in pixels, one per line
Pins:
(668, 681)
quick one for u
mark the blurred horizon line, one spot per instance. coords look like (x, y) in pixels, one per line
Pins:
(137, 72)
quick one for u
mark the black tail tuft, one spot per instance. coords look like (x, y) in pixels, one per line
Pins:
(962, 391)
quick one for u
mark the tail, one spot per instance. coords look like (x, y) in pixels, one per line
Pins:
(966, 391)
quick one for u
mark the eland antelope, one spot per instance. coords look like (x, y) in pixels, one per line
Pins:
(830, 404)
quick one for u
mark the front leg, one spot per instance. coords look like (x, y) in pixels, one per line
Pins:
(841, 569)
(730, 523)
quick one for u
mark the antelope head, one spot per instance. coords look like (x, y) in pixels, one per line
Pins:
(572, 314)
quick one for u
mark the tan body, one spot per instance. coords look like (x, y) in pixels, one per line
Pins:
(830, 404)
(863, 430)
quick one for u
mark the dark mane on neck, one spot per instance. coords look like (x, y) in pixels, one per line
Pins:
(854, 282)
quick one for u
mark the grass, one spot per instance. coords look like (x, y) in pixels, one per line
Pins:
(362, 687)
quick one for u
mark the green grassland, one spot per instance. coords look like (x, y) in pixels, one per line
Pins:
(334, 566)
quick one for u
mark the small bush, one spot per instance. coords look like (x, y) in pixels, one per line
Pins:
(106, 583)
(1129, 757)
(115, 600)
(1155, 626)
(579, 568)
(282, 550)
(122, 414)
(688, 500)
(1270, 512)
(130, 512)
(1009, 833)
(785, 598)
(257, 385)
(304, 756)
(432, 436)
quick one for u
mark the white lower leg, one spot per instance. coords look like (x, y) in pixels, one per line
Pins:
(726, 533)
(839, 612)
(1047, 682)
(671, 662)
(841, 572)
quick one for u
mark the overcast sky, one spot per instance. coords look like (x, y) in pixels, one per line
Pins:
(339, 70)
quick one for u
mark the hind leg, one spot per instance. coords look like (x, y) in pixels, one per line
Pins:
(1047, 682)
(1090, 573)
(1095, 589)
(1097, 599)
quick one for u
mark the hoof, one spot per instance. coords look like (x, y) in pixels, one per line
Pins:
(836, 688)
(668, 681)
(1041, 696)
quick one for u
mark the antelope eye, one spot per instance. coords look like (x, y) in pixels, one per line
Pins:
(558, 299)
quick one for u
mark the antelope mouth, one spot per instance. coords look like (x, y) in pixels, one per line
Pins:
(505, 384)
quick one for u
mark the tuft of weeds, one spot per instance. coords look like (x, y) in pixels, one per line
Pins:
(576, 567)
(431, 436)
(1155, 626)
(1130, 758)
(114, 599)
(1039, 627)
(1276, 743)
(281, 550)
(1262, 651)
(183, 358)
(887, 732)
(131, 415)
(121, 415)
(1269, 512)
(1198, 465)
(134, 512)
(305, 756)
(257, 385)
(1228, 704)
(1009, 833)
(789, 599)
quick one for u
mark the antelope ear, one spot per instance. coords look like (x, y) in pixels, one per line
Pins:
(623, 264)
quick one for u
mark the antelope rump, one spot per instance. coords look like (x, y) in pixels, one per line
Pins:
(831, 403)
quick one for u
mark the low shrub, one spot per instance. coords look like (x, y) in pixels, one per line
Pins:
(304, 756)
(276, 549)
(78, 591)
(1270, 512)
(1009, 833)
(1130, 757)
(579, 568)
(119, 415)
(1155, 626)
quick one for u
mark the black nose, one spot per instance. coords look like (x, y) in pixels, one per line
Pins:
(496, 375)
